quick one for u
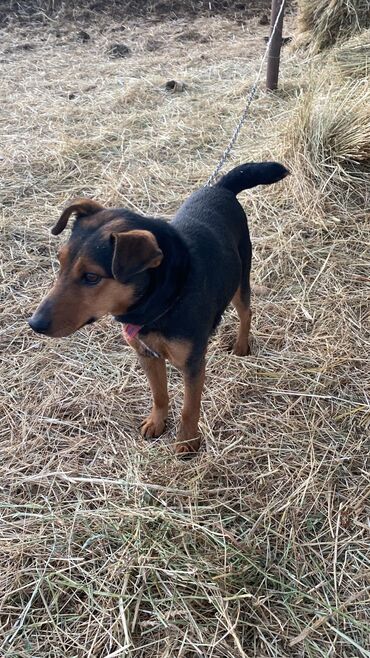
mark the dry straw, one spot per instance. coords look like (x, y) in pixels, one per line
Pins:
(323, 23)
(353, 57)
(328, 139)
(109, 546)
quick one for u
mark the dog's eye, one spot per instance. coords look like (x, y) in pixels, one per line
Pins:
(91, 279)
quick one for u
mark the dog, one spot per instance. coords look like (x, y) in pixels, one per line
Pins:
(168, 283)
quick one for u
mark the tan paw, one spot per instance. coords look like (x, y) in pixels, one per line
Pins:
(186, 445)
(186, 450)
(241, 349)
(153, 426)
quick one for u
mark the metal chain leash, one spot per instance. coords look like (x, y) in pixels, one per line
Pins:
(244, 115)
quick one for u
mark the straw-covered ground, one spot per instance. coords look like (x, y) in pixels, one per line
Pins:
(110, 546)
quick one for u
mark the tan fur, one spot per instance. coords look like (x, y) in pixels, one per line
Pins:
(241, 347)
(63, 255)
(73, 307)
(155, 370)
(187, 438)
(176, 352)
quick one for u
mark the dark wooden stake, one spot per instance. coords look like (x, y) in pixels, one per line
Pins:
(273, 59)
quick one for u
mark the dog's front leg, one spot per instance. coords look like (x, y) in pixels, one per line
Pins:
(155, 370)
(188, 440)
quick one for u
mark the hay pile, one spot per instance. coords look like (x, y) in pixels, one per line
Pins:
(110, 547)
(323, 23)
(328, 134)
(353, 57)
(328, 141)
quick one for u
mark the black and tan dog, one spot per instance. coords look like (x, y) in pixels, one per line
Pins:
(167, 283)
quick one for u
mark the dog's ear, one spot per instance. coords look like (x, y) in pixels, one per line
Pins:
(134, 252)
(82, 208)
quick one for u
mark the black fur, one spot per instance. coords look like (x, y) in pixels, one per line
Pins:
(207, 255)
(251, 174)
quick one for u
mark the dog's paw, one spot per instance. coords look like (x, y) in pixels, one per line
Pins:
(241, 349)
(153, 426)
(187, 450)
(187, 445)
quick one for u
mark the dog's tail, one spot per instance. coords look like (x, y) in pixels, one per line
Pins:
(251, 174)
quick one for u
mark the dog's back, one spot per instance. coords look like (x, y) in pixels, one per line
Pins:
(214, 226)
(215, 211)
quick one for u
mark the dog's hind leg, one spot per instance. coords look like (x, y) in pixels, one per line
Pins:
(242, 298)
(155, 370)
(242, 304)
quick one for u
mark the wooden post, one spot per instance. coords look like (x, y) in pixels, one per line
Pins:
(273, 60)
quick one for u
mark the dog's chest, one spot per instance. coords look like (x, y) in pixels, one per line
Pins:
(154, 345)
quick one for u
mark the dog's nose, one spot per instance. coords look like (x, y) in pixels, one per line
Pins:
(39, 323)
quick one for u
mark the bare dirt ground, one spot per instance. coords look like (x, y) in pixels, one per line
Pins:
(109, 546)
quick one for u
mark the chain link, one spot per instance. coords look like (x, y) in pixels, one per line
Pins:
(244, 115)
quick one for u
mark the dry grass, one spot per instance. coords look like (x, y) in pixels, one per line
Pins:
(353, 57)
(328, 139)
(323, 23)
(109, 545)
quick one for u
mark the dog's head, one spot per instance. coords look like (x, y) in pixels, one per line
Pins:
(99, 269)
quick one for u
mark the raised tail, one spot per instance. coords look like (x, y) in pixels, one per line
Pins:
(251, 174)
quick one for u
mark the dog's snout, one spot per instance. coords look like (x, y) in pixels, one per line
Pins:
(39, 323)
(41, 319)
